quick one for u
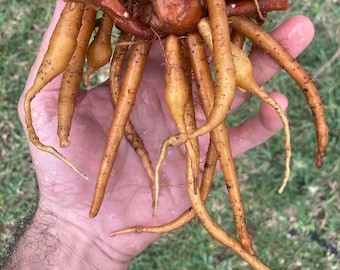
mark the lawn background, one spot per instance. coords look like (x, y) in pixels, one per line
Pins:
(296, 230)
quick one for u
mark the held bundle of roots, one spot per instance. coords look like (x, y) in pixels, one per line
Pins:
(190, 33)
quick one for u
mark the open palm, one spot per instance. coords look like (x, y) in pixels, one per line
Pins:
(128, 201)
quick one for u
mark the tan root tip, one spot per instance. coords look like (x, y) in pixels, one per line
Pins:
(286, 179)
(319, 159)
(284, 182)
(64, 142)
(319, 163)
(155, 192)
(86, 79)
(154, 207)
(93, 213)
(129, 230)
(283, 186)
(247, 244)
(54, 152)
(249, 250)
(83, 175)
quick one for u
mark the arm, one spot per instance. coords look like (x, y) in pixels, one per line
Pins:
(50, 242)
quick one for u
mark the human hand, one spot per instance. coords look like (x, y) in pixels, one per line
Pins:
(66, 197)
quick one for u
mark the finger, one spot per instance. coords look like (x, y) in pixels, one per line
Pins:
(259, 128)
(295, 34)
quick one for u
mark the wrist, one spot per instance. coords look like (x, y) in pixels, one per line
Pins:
(53, 243)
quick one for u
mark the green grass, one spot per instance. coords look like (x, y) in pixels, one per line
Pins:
(22, 25)
(296, 230)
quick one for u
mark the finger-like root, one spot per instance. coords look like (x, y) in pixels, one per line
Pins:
(127, 96)
(265, 41)
(56, 58)
(210, 225)
(225, 81)
(246, 81)
(204, 217)
(73, 76)
(192, 169)
(220, 136)
(131, 134)
(100, 50)
(189, 114)
(176, 93)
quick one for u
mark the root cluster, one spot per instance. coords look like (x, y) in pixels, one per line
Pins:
(191, 33)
